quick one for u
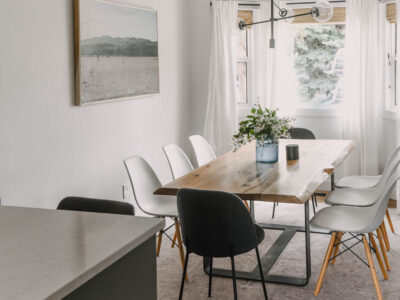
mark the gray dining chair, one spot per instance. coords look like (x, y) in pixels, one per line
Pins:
(96, 206)
(358, 222)
(217, 224)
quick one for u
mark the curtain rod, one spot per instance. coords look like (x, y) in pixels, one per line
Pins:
(306, 2)
(293, 3)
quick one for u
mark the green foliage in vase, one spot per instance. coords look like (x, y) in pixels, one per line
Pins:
(263, 125)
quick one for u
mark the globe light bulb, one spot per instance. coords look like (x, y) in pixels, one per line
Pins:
(322, 11)
(289, 16)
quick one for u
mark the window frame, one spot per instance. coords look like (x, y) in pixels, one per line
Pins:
(390, 103)
(243, 109)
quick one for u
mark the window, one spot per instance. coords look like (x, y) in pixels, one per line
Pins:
(318, 63)
(247, 52)
(242, 66)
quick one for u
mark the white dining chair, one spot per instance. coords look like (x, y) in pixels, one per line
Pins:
(144, 182)
(178, 161)
(365, 197)
(359, 222)
(202, 149)
(204, 154)
(371, 183)
(366, 181)
(179, 164)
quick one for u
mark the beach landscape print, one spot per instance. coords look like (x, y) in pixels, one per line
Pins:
(116, 49)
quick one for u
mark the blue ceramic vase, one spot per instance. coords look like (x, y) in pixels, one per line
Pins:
(267, 152)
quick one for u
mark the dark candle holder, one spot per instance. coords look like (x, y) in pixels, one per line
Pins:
(292, 152)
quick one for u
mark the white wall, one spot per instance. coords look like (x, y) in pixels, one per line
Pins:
(199, 29)
(50, 148)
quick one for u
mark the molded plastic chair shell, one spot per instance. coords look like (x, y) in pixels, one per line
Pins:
(144, 182)
(360, 182)
(96, 205)
(216, 224)
(366, 181)
(356, 219)
(362, 196)
(202, 149)
(178, 161)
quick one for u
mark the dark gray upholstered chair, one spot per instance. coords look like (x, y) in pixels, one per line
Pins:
(217, 224)
(300, 134)
(96, 205)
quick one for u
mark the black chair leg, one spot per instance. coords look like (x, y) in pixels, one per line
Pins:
(234, 277)
(313, 204)
(210, 278)
(273, 211)
(261, 274)
(184, 275)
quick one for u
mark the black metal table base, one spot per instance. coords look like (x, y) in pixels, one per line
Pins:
(273, 254)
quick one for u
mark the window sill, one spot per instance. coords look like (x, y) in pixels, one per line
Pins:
(318, 112)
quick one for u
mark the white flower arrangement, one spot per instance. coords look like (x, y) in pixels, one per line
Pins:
(262, 125)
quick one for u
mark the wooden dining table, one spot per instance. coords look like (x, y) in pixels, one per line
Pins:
(285, 181)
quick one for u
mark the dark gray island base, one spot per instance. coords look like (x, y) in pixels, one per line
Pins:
(134, 276)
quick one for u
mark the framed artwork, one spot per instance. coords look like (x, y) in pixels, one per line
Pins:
(116, 51)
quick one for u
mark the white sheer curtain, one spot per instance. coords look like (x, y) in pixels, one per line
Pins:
(398, 99)
(221, 117)
(279, 81)
(363, 86)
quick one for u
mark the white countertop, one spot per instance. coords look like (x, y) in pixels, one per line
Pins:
(46, 254)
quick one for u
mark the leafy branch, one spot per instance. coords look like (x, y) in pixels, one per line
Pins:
(263, 125)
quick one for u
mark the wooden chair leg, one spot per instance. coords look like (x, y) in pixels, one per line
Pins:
(180, 245)
(382, 244)
(160, 234)
(389, 220)
(173, 240)
(385, 236)
(378, 256)
(328, 255)
(372, 268)
(247, 205)
(338, 240)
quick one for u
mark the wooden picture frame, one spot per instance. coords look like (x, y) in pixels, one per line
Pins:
(116, 52)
